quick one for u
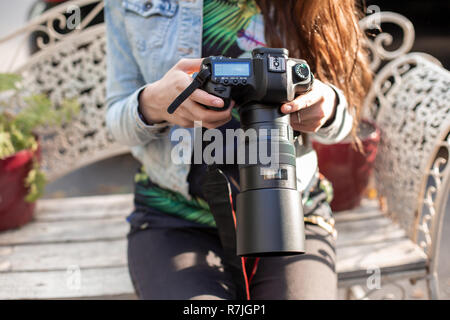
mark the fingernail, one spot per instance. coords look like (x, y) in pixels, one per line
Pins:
(218, 102)
(287, 108)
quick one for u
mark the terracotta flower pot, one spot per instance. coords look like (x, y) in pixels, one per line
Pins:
(348, 169)
(14, 210)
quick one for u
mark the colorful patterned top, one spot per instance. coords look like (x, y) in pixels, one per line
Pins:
(231, 28)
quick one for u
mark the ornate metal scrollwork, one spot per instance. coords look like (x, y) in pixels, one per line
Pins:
(74, 69)
(409, 100)
(50, 28)
(440, 169)
(377, 45)
(70, 65)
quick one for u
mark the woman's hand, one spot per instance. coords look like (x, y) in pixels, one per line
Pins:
(156, 97)
(310, 111)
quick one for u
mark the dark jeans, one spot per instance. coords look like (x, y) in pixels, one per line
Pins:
(169, 259)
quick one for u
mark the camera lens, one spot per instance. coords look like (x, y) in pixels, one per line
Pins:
(268, 209)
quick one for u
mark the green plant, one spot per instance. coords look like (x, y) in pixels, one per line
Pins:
(17, 129)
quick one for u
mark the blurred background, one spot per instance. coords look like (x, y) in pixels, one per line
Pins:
(15, 14)
(431, 22)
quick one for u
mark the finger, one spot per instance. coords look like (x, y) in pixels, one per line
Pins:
(308, 123)
(314, 112)
(303, 116)
(212, 125)
(308, 127)
(200, 113)
(187, 119)
(295, 121)
(183, 122)
(189, 65)
(303, 101)
(199, 95)
(205, 98)
(304, 125)
(182, 118)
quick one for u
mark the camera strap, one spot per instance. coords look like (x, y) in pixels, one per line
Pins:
(198, 81)
(217, 192)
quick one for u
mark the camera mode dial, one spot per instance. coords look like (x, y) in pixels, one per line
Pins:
(302, 71)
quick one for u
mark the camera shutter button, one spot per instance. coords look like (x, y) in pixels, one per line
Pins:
(277, 64)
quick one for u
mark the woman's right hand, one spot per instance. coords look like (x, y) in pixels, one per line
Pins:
(157, 96)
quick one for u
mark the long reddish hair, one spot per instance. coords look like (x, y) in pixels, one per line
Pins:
(326, 34)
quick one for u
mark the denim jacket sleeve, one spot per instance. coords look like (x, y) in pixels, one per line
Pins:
(124, 84)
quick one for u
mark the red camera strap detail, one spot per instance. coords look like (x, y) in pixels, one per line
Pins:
(243, 260)
(255, 267)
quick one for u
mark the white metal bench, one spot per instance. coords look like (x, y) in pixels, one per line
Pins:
(76, 247)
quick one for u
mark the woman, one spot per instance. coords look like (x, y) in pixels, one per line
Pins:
(175, 250)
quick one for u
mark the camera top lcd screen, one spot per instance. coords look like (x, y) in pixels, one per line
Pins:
(231, 69)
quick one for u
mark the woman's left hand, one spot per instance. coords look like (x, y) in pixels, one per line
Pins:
(310, 111)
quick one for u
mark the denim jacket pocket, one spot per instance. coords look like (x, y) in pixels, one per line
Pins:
(147, 21)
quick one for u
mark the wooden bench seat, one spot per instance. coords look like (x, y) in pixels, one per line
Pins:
(89, 234)
(369, 242)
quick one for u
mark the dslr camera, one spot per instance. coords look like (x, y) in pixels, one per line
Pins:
(269, 213)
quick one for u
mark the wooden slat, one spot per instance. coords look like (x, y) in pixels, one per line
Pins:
(355, 225)
(61, 284)
(50, 257)
(368, 231)
(66, 231)
(82, 208)
(368, 209)
(394, 256)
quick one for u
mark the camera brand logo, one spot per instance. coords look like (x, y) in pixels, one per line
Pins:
(253, 147)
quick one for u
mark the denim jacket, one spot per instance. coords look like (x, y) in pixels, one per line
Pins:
(145, 38)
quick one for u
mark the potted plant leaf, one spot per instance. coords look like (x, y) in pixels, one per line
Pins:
(22, 181)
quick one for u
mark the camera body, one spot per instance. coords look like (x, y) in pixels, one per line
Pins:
(270, 76)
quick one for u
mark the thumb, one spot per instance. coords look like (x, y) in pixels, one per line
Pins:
(189, 65)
